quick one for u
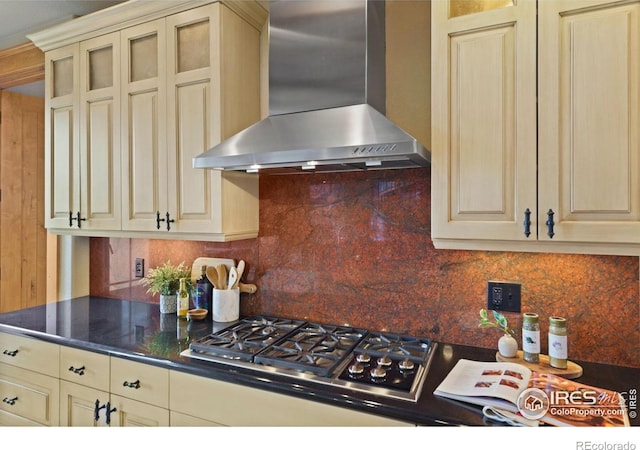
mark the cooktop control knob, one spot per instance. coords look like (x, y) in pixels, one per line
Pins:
(406, 364)
(356, 369)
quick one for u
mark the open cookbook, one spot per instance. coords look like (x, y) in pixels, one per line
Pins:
(538, 396)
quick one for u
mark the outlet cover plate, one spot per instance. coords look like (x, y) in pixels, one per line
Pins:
(139, 267)
(504, 296)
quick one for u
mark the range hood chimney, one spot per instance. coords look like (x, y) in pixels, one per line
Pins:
(327, 96)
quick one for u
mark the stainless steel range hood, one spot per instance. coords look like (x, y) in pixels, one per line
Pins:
(326, 96)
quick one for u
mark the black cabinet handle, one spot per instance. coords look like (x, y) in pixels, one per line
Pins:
(109, 411)
(550, 224)
(158, 220)
(10, 401)
(79, 219)
(77, 370)
(169, 221)
(133, 384)
(527, 222)
(11, 353)
(71, 219)
(96, 410)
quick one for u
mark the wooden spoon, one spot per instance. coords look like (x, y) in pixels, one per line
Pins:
(247, 288)
(240, 270)
(233, 277)
(212, 276)
(222, 276)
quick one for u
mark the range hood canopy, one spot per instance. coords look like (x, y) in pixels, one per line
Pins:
(326, 96)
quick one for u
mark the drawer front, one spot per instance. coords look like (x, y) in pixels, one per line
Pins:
(234, 405)
(83, 367)
(31, 354)
(29, 395)
(139, 381)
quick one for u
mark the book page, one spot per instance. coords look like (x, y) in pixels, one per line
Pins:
(482, 379)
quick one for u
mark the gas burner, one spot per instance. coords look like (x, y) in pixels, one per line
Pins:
(384, 361)
(363, 358)
(378, 373)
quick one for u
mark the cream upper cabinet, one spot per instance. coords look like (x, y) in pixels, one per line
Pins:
(62, 149)
(563, 178)
(589, 116)
(140, 92)
(99, 134)
(144, 124)
(192, 79)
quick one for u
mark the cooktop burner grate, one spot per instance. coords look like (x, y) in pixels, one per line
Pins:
(246, 338)
(313, 347)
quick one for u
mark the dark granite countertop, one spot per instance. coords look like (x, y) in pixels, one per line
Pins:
(137, 331)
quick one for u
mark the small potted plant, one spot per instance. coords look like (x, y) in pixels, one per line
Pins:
(507, 344)
(165, 280)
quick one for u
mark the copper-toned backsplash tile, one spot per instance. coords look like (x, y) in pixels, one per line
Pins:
(355, 248)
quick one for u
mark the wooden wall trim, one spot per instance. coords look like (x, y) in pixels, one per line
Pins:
(21, 64)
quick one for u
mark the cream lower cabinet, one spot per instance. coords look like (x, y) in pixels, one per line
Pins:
(139, 394)
(29, 385)
(98, 390)
(562, 178)
(128, 110)
(230, 404)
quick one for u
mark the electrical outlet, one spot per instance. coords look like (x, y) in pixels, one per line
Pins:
(503, 296)
(139, 267)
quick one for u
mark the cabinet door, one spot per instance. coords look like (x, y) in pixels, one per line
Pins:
(589, 103)
(131, 413)
(483, 119)
(78, 405)
(144, 162)
(62, 153)
(100, 195)
(213, 92)
(193, 80)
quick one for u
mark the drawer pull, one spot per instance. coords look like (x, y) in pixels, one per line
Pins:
(10, 352)
(77, 371)
(134, 384)
(10, 401)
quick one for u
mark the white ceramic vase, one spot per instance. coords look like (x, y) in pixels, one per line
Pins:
(168, 304)
(508, 346)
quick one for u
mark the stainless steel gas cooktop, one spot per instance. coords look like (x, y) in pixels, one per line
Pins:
(384, 364)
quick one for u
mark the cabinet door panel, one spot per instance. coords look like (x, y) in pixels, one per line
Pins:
(483, 122)
(589, 120)
(144, 161)
(77, 405)
(100, 133)
(130, 413)
(62, 153)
